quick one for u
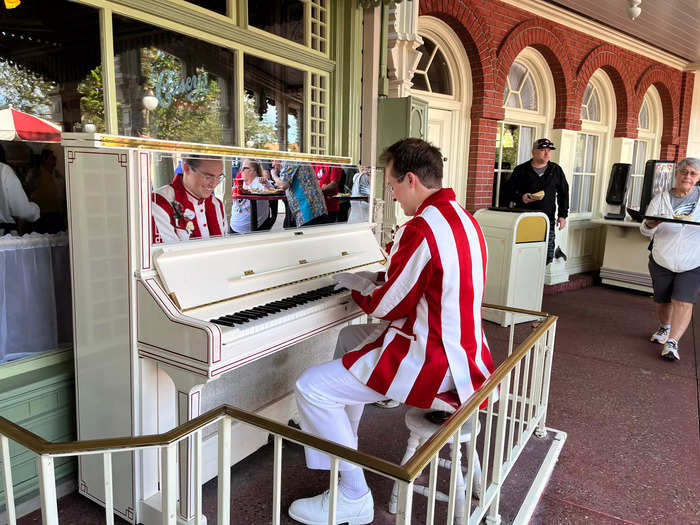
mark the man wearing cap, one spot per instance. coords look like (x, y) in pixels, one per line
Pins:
(540, 185)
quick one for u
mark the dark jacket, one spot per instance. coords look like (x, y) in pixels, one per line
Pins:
(553, 181)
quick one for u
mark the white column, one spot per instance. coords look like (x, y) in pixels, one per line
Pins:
(564, 155)
(403, 42)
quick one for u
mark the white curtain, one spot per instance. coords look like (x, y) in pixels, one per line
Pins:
(35, 301)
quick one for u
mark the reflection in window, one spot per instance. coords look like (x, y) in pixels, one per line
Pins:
(590, 105)
(285, 18)
(42, 65)
(585, 167)
(274, 105)
(433, 73)
(170, 86)
(520, 91)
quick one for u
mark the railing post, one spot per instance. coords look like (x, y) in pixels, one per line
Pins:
(109, 496)
(198, 477)
(7, 477)
(277, 481)
(333, 495)
(541, 430)
(168, 485)
(494, 518)
(47, 491)
(224, 480)
(403, 514)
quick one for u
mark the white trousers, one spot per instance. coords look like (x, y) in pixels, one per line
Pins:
(331, 400)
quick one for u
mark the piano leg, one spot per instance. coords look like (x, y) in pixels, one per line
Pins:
(189, 389)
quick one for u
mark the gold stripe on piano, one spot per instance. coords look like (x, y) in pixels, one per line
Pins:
(213, 149)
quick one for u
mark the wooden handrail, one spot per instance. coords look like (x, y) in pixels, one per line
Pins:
(407, 472)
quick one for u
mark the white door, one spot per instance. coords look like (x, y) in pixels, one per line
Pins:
(440, 134)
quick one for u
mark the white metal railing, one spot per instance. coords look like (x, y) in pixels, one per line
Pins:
(515, 399)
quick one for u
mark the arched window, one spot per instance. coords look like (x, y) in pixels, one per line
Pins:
(527, 98)
(433, 73)
(520, 92)
(597, 110)
(646, 145)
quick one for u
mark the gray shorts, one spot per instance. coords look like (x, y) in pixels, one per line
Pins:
(681, 286)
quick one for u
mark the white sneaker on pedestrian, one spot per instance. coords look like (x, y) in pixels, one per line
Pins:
(670, 350)
(314, 511)
(386, 403)
(661, 335)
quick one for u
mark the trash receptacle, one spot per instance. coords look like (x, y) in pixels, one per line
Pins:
(517, 245)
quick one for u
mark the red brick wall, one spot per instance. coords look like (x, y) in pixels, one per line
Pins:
(493, 33)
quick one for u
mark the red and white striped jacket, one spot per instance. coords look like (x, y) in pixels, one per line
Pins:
(177, 215)
(432, 296)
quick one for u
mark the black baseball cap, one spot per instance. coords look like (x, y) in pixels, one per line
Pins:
(543, 143)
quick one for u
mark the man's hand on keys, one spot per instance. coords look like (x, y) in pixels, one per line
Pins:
(353, 281)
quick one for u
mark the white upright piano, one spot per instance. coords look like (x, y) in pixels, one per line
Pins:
(156, 324)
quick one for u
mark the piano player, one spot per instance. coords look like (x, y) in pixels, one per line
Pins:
(187, 208)
(434, 344)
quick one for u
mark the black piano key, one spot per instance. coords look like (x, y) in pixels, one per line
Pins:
(223, 322)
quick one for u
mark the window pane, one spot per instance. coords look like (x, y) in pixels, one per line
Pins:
(580, 152)
(516, 74)
(587, 93)
(525, 143)
(170, 86)
(592, 142)
(584, 112)
(513, 101)
(575, 193)
(640, 157)
(644, 116)
(587, 193)
(528, 94)
(273, 92)
(284, 18)
(439, 75)
(419, 81)
(218, 6)
(426, 51)
(594, 107)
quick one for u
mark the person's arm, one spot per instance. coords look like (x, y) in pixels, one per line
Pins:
(332, 187)
(409, 271)
(284, 177)
(163, 219)
(20, 206)
(518, 190)
(649, 226)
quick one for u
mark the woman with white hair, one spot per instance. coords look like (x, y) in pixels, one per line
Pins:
(674, 263)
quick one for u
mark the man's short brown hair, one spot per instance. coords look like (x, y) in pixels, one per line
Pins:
(417, 156)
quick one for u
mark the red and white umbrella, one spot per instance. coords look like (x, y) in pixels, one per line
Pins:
(17, 125)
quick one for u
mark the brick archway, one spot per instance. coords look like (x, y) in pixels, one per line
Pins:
(607, 58)
(542, 36)
(658, 77)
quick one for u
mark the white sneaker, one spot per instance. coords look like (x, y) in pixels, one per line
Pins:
(661, 335)
(386, 403)
(314, 511)
(670, 350)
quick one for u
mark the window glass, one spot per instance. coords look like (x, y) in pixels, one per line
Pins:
(433, 72)
(170, 86)
(590, 105)
(639, 158)
(520, 91)
(218, 6)
(426, 51)
(643, 121)
(585, 171)
(284, 18)
(274, 105)
(513, 147)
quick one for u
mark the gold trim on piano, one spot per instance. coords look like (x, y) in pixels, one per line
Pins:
(213, 149)
(280, 286)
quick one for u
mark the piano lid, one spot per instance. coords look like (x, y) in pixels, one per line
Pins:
(214, 270)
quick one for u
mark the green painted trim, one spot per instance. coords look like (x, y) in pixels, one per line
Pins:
(28, 364)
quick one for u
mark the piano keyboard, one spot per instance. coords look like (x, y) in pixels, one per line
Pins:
(242, 318)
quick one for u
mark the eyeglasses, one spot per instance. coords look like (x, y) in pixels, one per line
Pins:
(210, 177)
(244, 168)
(686, 171)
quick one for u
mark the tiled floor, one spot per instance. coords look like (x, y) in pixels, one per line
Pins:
(633, 448)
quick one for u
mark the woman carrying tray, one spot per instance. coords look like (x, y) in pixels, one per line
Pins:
(674, 263)
(253, 179)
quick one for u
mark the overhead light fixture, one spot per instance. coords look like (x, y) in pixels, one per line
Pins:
(633, 11)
